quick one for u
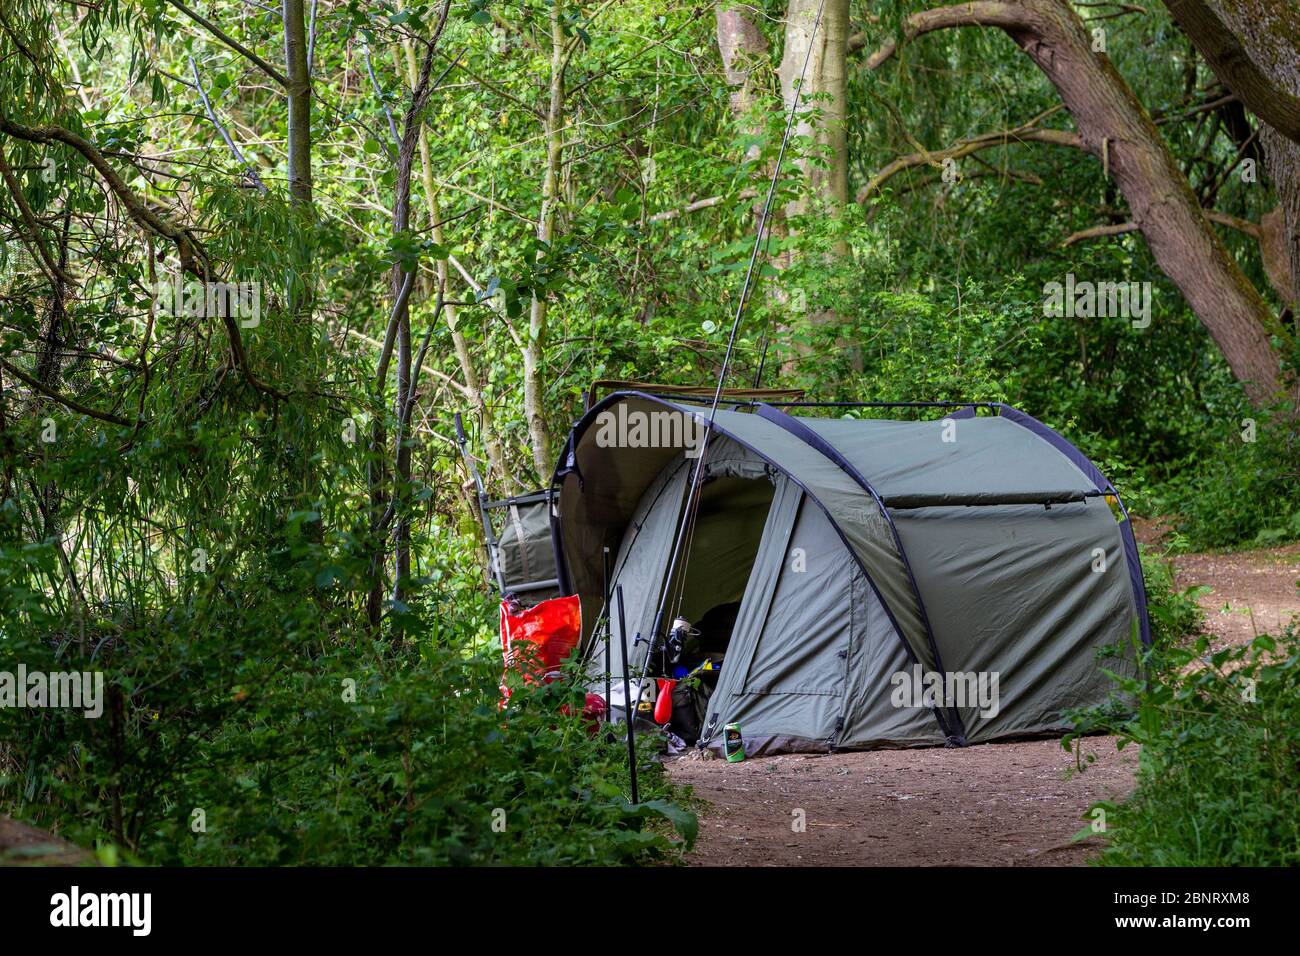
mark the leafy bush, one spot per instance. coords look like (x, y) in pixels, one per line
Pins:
(1220, 737)
(1243, 492)
(1174, 612)
(242, 729)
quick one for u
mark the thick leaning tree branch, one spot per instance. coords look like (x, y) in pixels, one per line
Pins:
(188, 248)
(1213, 27)
(193, 257)
(1114, 126)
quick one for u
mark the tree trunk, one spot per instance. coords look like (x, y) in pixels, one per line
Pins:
(1282, 256)
(401, 275)
(1253, 47)
(1117, 128)
(828, 187)
(534, 347)
(299, 92)
(744, 54)
(825, 78)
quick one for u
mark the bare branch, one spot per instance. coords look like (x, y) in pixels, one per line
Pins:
(697, 205)
(231, 42)
(379, 92)
(1120, 228)
(212, 115)
(981, 13)
(1021, 134)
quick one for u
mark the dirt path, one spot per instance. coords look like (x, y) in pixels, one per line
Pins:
(995, 804)
(1252, 592)
(21, 845)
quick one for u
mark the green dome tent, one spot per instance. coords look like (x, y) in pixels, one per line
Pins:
(979, 557)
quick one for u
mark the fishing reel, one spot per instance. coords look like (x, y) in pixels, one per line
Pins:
(681, 632)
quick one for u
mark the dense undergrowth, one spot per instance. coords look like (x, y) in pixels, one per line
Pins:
(245, 728)
(1220, 738)
(1219, 733)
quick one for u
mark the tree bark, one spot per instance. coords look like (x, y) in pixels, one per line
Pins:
(743, 49)
(822, 89)
(1253, 47)
(825, 79)
(1280, 242)
(534, 347)
(298, 89)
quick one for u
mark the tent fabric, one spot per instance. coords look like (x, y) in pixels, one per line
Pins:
(784, 687)
(1012, 591)
(642, 561)
(756, 604)
(727, 533)
(975, 460)
(860, 522)
(643, 555)
(871, 719)
(1090, 470)
(963, 546)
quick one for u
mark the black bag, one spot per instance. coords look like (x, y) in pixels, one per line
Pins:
(689, 707)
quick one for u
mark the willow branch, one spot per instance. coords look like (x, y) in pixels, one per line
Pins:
(62, 399)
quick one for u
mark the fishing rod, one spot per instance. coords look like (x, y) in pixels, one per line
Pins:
(693, 489)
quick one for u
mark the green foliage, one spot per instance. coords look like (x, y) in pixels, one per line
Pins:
(294, 743)
(1220, 739)
(1174, 612)
(1245, 492)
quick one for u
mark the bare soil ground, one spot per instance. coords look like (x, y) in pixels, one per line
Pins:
(996, 804)
(21, 845)
(1014, 803)
(1252, 592)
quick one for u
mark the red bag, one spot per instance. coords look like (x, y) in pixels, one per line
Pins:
(535, 642)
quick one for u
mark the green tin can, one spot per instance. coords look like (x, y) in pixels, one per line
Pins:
(733, 744)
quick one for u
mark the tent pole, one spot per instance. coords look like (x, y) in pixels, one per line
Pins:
(608, 664)
(628, 710)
